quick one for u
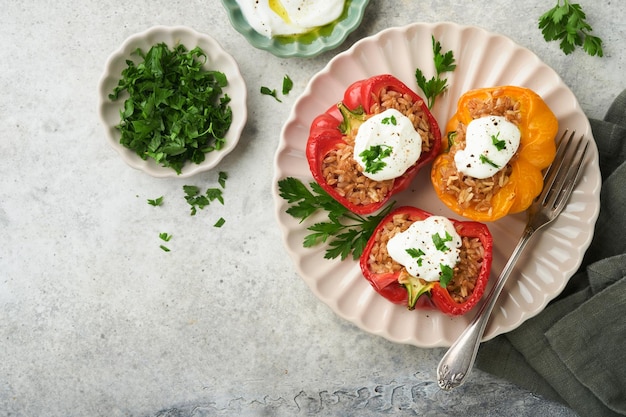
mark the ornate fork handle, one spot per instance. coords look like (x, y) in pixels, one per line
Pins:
(455, 365)
(559, 182)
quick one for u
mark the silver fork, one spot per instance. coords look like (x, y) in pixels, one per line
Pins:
(559, 182)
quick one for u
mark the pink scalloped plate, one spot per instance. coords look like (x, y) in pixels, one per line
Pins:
(483, 59)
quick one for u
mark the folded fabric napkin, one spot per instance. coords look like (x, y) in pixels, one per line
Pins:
(575, 350)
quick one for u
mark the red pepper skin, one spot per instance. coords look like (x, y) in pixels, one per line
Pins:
(388, 286)
(326, 134)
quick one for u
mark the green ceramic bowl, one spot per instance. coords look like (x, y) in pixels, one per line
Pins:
(306, 45)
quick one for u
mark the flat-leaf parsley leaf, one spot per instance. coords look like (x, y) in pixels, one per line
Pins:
(436, 85)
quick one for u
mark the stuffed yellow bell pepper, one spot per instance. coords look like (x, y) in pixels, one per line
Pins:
(498, 143)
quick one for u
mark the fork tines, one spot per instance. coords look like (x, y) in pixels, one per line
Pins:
(562, 175)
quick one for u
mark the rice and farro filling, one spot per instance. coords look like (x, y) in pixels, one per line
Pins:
(474, 192)
(343, 173)
(466, 270)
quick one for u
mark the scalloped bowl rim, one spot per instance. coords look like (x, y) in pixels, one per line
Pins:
(296, 49)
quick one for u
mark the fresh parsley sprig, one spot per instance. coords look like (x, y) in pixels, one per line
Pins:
(373, 157)
(566, 23)
(436, 85)
(346, 233)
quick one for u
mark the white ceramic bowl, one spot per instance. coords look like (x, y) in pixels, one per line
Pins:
(217, 59)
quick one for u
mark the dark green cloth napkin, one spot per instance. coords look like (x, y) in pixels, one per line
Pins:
(575, 350)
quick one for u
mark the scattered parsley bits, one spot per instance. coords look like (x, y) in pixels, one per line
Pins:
(373, 157)
(345, 232)
(198, 200)
(436, 85)
(269, 92)
(166, 238)
(565, 22)
(287, 85)
(221, 179)
(220, 222)
(176, 111)
(156, 202)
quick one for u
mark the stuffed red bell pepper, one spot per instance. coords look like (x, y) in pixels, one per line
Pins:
(412, 253)
(372, 144)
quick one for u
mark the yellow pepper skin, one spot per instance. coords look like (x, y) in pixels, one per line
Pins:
(538, 127)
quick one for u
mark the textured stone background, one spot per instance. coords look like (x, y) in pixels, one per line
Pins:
(96, 320)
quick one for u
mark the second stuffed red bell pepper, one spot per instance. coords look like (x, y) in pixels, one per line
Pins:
(454, 288)
(330, 147)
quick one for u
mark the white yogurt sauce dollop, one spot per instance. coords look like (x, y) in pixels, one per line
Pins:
(490, 143)
(421, 252)
(393, 135)
(289, 17)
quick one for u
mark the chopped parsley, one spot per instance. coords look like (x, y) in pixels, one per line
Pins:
(165, 237)
(198, 200)
(391, 120)
(176, 111)
(287, 85)
(373, 157)
(220, 222)
(446, 275)
(416, 254)
(487, 161)
(269, 92)
(156, 201)
(499, 144)
(440, 243)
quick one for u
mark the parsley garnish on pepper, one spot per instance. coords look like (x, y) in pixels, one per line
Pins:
(446, 275)
(389, 121)
(176, 111)
(440, 243)
(373, 157)
(346, 232)
(485, 160)
(416, 254)
(499, 144)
